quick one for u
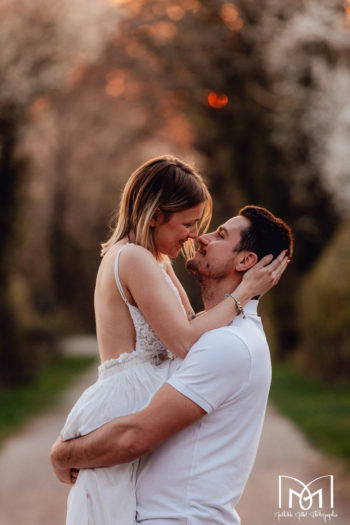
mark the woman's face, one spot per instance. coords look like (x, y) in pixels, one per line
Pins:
(171, 234)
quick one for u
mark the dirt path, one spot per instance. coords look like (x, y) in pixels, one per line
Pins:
(285, 451)
(30, 494)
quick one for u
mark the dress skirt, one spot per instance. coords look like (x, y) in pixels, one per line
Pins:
(106, 496)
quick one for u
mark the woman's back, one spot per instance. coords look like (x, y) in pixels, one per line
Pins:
(121, 326)
(114, 326)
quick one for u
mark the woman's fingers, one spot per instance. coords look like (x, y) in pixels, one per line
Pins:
(266, 274)
(279, 260)
(277, 266)
(274, 269)
(281, 268)
(264, 261)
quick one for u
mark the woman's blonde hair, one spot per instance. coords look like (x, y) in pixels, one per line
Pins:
(165, 183)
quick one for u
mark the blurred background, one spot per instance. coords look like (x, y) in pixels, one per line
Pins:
(254, 92)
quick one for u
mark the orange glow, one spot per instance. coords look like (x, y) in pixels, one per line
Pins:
(347, 9)
(161, 31)
(177, 128)
(190, 5)
(118, 2)
(217, 100)
(175, 12)
(229, 12)
(39, 105)
(230, 15)
(115, 83)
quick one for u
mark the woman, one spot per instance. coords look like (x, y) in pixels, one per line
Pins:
(142, 316)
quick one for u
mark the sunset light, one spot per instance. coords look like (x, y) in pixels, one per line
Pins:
(217, 100)
(230, 15)
(175, 12)
(347, 8)
(115, 83)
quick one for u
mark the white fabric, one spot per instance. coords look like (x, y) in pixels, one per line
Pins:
(197, 476)
(106, 496)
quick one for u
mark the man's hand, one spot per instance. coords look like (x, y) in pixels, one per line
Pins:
(63, 473)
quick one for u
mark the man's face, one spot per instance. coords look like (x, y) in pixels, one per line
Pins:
(215, 258)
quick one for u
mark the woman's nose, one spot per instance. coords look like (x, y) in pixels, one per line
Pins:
(194, 232)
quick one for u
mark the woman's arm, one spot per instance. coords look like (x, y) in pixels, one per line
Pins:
(142, 276)
(184, 298)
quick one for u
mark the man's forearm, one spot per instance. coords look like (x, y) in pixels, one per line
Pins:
(114, 443)
(127, 438)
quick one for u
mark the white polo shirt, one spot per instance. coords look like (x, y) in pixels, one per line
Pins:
(197, 476)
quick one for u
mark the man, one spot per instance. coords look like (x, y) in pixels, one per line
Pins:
(203, 426)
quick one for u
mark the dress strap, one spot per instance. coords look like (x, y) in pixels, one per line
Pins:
(116, 273)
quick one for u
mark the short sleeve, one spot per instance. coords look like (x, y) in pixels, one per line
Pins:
(216, 369)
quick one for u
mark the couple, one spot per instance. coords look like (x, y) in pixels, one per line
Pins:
(186, 394)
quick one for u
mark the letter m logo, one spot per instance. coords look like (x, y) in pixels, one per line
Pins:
(292, 489)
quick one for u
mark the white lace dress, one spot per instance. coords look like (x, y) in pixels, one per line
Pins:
(106, 496)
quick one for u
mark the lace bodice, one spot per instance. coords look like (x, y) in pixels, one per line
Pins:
(148, 344)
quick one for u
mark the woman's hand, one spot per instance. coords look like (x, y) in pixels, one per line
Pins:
(263, 276)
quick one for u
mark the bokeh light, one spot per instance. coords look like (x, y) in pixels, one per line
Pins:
(230, 15)
(175, 12)
(217, 100)
(115, 83)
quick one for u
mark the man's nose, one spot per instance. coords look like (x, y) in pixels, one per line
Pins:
(203, 240)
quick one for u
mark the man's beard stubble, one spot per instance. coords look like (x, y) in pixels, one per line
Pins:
(192, 267)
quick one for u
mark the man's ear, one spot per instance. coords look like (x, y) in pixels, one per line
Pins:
(155, 218)
(245, 260)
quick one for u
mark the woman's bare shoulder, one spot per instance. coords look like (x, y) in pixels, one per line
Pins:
(136, 262)
(130, 252)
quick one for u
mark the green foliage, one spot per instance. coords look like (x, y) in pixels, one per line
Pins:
(325, 312)
(321, 410)
(17, 404)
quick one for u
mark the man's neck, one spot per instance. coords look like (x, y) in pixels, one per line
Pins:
(214, 290)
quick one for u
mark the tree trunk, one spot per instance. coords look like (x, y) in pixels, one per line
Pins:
(12, 356)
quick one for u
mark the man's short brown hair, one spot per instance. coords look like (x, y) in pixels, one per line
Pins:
(266, 233)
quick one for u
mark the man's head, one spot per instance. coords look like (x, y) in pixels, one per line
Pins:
(240, 243)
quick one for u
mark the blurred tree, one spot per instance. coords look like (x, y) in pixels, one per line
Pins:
(244, 83)
(324, 312)
(95, 133)
(41, 47)
(250, 77)
(11, 169)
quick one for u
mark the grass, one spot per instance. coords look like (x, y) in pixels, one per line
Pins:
(18, 404)
(321, 410)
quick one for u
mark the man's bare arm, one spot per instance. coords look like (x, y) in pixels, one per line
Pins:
(126, 438)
